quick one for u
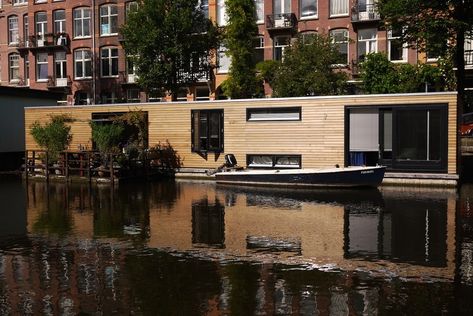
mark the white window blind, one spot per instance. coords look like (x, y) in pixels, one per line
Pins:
(364, 125)
(338, 7)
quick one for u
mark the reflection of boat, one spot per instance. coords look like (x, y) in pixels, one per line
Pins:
(332, 177)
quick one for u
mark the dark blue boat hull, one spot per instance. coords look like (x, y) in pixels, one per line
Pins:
(369, 177)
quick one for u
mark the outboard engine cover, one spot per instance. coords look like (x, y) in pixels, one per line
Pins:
(230, 160)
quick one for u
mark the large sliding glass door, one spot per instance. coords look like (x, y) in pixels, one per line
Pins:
(410, 138)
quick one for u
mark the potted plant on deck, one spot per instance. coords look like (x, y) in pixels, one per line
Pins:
(106, 138)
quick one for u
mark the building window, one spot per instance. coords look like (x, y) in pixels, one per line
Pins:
(281, 6)
(41, 21)
(469, 49)
(26, 31)
(340, 40)
(203, 6)
(109, 61)
(259, 4)
(131, 7)
(274, 161)
(81, 22)
(222, 17)
(42, 67)
(27, 71)
(338, 7)
(308, 8)
(224, 61)
(259, 49)
(82, 98)
(308, 37)
(133, 96)
(207, 130)
(13, 35)
(367, 43)
(60, 21)
(60, 65)
(397, 50)
(108, 97)
(274, 114)
(14, 68)
(82, 64)
(108, 19)
(202, 93)
(280, 44)
(40, 1)
(19, 2)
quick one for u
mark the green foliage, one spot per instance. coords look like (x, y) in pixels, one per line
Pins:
(107, 137)
(54, 137)
(240, 33)
(165, 157)
(308, 70)
(172, 43)
(267, 71)
(138, 119)
(379, 75)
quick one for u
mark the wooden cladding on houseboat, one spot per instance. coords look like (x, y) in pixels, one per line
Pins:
(318, 137)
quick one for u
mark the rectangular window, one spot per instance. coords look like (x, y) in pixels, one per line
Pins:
(224, 61)
(339, 38)
(281, 6)
(13, 35)
(82, 64)
(222, 17)
(274, 161)
(27, 71)
(108, 19)
(41, 21)
(109, 62)
(131, 7)
(274, 114)
(20, 2)
(367, 43)
(280, 44)
(259, 4)
(207, 130)
(42, 66)
(308, 8)
(81, 22)
(397, 50)
(468, 49)
(14, 68)
(133, 96)
(338, 7)
(26, 31)
(60, 69)
(202, 93)
(203, 5)
(60, 21)
(259, 49)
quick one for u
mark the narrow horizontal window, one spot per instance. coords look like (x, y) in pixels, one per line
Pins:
(274, 161)
(274, 114)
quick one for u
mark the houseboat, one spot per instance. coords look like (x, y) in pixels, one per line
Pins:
(413, 135)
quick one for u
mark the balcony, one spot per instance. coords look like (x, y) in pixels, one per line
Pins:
(281, 22)
(127, 78)
(46, 41)
(59, 83)
(365, 13)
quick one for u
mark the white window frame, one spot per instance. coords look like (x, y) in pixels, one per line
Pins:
(345, 42)
(335, 6)
(392, 38)
(40, 64)
(59, 22)
(259, 41)
(284, 6)
(14, 68)
(204, 7)
(26, 30)
(222, 17)
(83, 21)
(222, 56)
(13, 33)
(108, 20)
(83, 63)
(63, 65)
(277, 46)
(312, 16)
(259, 6)
(128, 95)
(367, 42)
(19, 2)
(130, 7)
(41, 27)
(111, 60)
(27, 70)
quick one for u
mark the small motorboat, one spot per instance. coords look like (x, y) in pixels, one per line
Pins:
(356, 176)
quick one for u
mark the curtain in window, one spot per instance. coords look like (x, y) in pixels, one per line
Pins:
(338, 7)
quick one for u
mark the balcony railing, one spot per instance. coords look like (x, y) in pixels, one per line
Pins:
(281, 21)
(365, 13)
(54, 82)
(50, 40)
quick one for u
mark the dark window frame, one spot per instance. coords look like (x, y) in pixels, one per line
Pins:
(274, 158)
(393, 164)
(281, 109)
(196, 147)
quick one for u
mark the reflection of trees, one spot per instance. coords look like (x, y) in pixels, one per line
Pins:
(163, 284)
(121, 211)
(242, 287)
(55, 217)
(163, 194)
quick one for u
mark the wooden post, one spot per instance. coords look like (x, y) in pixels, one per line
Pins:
(26, 165)
(66, 165)
(111, 168)
(34, 162)
(47, 166)
(89, 167)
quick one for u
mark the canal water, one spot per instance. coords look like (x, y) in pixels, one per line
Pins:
(197, 248)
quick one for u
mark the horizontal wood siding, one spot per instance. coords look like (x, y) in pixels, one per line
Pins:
(318, 137)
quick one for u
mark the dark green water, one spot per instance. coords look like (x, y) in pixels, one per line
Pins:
(186, 248)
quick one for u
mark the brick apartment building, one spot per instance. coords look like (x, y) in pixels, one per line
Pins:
(74, 46)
